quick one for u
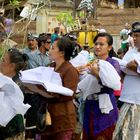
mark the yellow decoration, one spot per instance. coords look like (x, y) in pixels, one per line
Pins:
(86, 38)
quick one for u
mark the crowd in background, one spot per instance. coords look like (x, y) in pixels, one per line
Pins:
(108, 106)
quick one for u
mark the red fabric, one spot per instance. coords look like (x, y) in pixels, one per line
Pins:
(118, 92)
(107, 134)
(104, 135)
(67, 135)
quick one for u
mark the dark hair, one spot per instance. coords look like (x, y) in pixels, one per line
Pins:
(31, 36)
(135, 24)
(66, 45)
(76, 50)
(43, 37)
(18, 58)
(112, 53)
(136, 27)
(120, 51)
(86, 47)
(56, 30)
(107, 35)
(72, 37)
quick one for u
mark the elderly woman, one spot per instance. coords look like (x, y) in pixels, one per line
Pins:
(13, 61)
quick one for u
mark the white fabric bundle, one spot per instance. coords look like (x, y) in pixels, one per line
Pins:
(109, 76)
(46, 77)
(81, 59)
(123, 67)
(90, 85)
(132, 54)
(11, 100)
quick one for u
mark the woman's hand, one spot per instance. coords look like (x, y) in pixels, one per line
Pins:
(94, 70)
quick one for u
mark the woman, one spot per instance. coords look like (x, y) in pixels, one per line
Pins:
(62, 111)
(12, 63)
(97, 125)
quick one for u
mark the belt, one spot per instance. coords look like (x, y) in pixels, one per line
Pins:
(93, 97)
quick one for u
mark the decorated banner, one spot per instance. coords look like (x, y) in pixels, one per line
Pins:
(75, 26)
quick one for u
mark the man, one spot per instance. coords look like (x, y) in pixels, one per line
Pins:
(40, 57)
(55, 34)
(31, 44)
(128, 125)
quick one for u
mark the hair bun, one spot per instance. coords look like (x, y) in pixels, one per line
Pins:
(25, 57)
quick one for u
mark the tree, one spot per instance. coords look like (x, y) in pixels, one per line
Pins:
(65, 18)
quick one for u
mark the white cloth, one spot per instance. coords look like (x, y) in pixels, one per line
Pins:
(132, 54)
(105, 104)
(81, 59)
(46, 77)
(109, 76)
(11, 100)
(89, 85)
(123, 67)
(131, 86)
(138, 69)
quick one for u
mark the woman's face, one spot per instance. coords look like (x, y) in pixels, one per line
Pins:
(101, 47)
(6, 67)
(54, 52)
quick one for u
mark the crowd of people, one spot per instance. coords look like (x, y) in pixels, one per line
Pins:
(105, 101)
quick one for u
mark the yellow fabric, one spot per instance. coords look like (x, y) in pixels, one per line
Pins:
(86, 37)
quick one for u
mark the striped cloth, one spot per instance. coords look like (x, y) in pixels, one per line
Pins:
(86, 4)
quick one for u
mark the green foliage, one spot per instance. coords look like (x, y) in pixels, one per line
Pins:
(14, 2)
(65, 18)
(2, 51)
(81, 14)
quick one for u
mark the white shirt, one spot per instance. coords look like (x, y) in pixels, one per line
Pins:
(131, 85)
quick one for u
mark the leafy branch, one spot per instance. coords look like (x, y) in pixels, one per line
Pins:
(65, 18)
